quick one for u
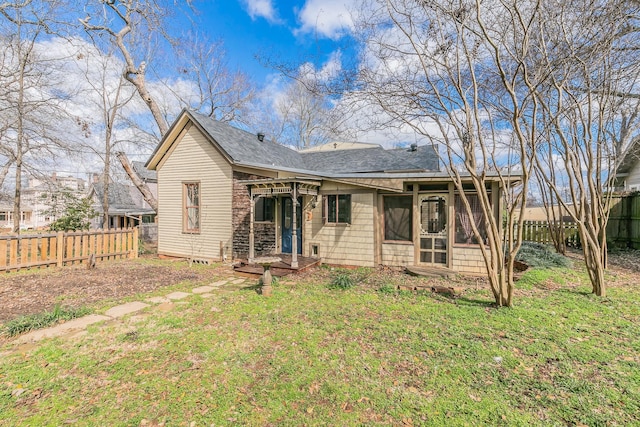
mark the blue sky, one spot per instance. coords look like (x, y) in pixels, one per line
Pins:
(292, 32)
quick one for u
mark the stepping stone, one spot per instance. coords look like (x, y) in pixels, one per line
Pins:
(124, 309)
(202, 289)
(62, 329)
(238, 281)
(165, 306)
(177, 295)
(207, 295)
(218, 283)
(157, 300)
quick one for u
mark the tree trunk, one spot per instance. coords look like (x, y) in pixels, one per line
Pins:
(138, 182)
(19, 148)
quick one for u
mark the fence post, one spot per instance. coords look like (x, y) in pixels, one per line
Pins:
(134, 253)
(60, 248)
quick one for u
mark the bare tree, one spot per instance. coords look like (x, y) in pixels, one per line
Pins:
(592, 113)
(219, 92)
(107, 93)
(502, 87)
(304, 117)
(301, 115)
(456, 72)
(131, 26)
(31, 107)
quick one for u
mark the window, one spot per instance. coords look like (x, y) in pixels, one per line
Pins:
(398, 222)
(433, 215)
(264, 209)
(3, 216)
(191, 212)
(464, 231)
(338, 208)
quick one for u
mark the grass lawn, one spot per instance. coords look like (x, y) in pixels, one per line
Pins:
(310, 355)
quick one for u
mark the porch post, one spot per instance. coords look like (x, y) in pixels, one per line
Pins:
(251, 236)
(294, 233)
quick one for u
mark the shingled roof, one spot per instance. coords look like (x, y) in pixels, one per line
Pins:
(246, 149)
(123, 199)
(145, 174)
(372, 160)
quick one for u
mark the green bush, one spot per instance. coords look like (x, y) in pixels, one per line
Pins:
(342, 280)
(42, 320)
(76, 214)
(541, 256)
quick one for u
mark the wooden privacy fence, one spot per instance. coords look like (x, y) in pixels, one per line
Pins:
(623, 228)
(539, 232)
(59, 249)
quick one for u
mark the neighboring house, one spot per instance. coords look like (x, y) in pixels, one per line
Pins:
(627, 176)
(225, 192)
(127, 208)
(6, 216)
(39, 200)
(541, 213)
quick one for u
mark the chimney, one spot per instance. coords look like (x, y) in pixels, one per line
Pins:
(96, 178)
(260, 136)
(413, 147)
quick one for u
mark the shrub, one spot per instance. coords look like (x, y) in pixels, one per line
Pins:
(342, 280)
(541, 256)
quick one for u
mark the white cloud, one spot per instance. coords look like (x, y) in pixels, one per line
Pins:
(327, 18)
(261, 9)
(329, 69)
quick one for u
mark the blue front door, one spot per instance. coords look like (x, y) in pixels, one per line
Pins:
(287, 224)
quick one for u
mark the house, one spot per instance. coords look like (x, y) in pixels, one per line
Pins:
(627, 177)
(40, 200)
(127, 208)
(6, 216)
(224, 192)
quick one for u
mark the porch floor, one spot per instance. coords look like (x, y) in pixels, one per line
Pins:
(430, 271)
(278, 269)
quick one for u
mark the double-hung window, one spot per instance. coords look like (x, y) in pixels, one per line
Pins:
(191, 207)
(338, 209)
(264, 209)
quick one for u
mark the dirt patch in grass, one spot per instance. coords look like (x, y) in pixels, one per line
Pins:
(32, 292)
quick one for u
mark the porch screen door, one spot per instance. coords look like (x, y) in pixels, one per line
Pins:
(433, 229)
